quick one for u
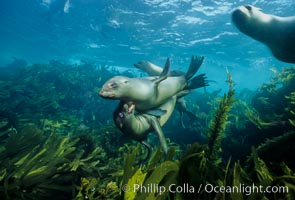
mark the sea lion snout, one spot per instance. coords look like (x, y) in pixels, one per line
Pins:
(107, 90)
(241, 15)
(106, 94)
(102, 93)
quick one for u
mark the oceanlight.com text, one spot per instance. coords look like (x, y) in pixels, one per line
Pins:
(208, 188)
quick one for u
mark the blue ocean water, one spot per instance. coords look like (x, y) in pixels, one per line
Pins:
(122, 32)
(64, 134)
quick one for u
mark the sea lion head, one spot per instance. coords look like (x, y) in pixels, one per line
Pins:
(115, 88)
(123, 116)
(251, 21)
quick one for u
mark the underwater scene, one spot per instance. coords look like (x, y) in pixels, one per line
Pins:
(147, 99)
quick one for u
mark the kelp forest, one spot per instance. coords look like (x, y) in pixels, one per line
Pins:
(58, 140)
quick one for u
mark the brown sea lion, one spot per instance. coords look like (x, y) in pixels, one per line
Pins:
(149, 92)
(278, 33)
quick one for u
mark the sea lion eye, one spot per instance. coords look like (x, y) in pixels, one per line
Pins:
(121, 115)
(113, 85)
(126, 82)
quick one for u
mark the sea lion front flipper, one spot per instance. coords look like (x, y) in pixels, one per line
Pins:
(164, 73)
(156, 112)
(155, 124)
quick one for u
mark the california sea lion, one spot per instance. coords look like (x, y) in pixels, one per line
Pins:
(278, 33)
(138, 125)
(149, 92)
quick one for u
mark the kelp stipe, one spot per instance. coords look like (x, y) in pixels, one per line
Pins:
(218, 123)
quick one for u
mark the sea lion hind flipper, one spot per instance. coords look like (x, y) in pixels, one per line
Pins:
(194, 66)
(197, 82)
(155, 124)
(149, 68)
(156, 112)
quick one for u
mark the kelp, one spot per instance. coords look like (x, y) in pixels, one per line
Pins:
(38, 166)
(200, 165)
(270, 98)
(50, 90)
(76, 153)
(196, 169)
(261, 175)
(89, 190)
(8, 125)
(263, 115)
(291, 107)
(144, 183)
(218, 123)
(284, 148)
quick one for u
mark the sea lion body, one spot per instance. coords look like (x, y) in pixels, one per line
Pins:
(142, 91)
(278, 33)
(150, 92)
(154, 70)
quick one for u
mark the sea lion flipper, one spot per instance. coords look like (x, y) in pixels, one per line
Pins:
(166, 68)
(197, 82)
(149, 68)
(164, 73)
(155, 124)
(194, 66)
(156, 112)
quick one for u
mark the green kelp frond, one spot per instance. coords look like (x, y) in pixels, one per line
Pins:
(291, 107)
(261, 169)
(142, 185)
(130, 163)
(237, 182)
(36, 166)
(195, 169)
(218, 123)
(279, 149)
(89, 190)
(284, 78)
(291, 98)
(253, 116)
(155, 173)
(263, 176)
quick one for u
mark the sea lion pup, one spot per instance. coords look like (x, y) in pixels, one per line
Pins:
(137, 126)
(154, 70)
(149, 92)
(278, 33)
